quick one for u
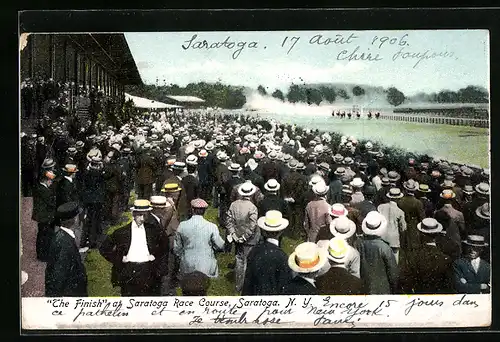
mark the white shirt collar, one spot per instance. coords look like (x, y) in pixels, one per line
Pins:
(69, 178)
(69, 231)
(45, 185)
(135, 226)
(309, 280)
(273, 241)
(431, 243)
(180, 178)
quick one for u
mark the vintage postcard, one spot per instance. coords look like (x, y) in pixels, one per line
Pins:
(255, 179)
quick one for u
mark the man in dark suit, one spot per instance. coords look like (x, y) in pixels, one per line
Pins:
(270, 168)
(93, 196)
(267, 269)
(146, 176)
(190, 182)
(432, 271)
(366, 205)
(66, 189)
(293, 189)
(271, 200)
(250, 174)
(471, 273)
(44, 210)
(135, 251)
(338, 280)
(65, 274)
(306, 268)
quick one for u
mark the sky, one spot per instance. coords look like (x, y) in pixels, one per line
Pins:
(412, 61)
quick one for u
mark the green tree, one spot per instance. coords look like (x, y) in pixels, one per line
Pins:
(358, 91)
(447, 96)
(473, 94)
(296, 94)
(261, 90)
(395, 97)
(343, 94)
(313, 96)
(278, 94)
(328, 93)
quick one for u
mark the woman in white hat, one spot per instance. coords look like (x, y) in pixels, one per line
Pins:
(306, 262)
(267, 270)
(338, 280)
(379, 270)
(396, 222)
(317, 214)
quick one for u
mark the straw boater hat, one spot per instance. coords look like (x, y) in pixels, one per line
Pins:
(203, 154)
(394, 193)
(70, 168)
(435, 174)
(292, 164)
(340, 171)
(320, 188)
(192, 160)
(411, 185)
(234, 167)
(199, 203)
(315, 178)
(385, 181)
(342, 227)
(393, 176)
(48, 163)
(324, 166)
(348, 161)
(273, 221)
(346, 189)
(272, 185)
(158, 201)
(383, 171)
(338, 158)
(247, 189)
(300, 166)
(259, 155)
(338, 250)
(301, 151)
(447, 194)
(430, 225)
(476, 241)
(209, 146)
(141, 205)
(374, 224)
(179, 165)
(357, 183)
(171, 187)
(484, 211)
(467, 172)
(222, 156)
(483, 188)
(468, 189)
(424, 188)
(307, 258)
(368, 145)
(447, 183)
(338, 209)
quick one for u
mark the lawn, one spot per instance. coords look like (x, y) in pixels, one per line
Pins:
(99, 269)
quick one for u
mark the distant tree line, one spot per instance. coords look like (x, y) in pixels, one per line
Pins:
(214, 94)
(232, 97)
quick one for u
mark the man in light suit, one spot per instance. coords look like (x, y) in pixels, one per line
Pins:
(196, 242)
(396, 223)
(242, 229)
(471, 273)
(267, 266)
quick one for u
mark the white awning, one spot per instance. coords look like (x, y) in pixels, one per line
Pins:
(141, 102)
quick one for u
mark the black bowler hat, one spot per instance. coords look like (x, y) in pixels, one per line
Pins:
(67, 211)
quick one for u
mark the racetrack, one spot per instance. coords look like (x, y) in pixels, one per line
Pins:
(461, 144)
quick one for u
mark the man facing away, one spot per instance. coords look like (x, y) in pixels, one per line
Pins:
(267, 268)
